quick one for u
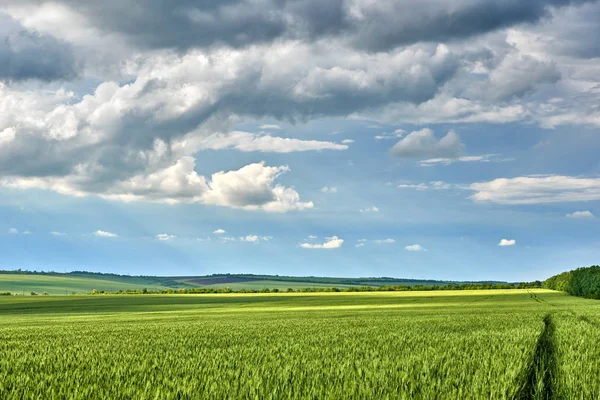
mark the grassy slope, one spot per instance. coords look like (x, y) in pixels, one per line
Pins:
(85, 283)
(21, 283)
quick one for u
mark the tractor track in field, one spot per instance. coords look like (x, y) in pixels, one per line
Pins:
(539, 376)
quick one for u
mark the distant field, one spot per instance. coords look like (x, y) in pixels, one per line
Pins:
(513, 344)
(24, 284)
(86, 282)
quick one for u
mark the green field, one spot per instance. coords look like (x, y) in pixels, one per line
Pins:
(84, 282)
(66, 284)
(512, 344)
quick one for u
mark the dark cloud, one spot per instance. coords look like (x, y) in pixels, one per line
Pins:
(372, 26)
(29, 55)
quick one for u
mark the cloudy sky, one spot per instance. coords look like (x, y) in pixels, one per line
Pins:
(450, 139)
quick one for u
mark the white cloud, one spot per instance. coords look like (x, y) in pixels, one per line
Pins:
(415, 247)
(270, 126)
(105, 234)
(372, 209)
(250, 188)
(581, 215)
(422, 143)
(227, 238)
(7, 135)
(537, 189)
(433, 185)
(26, 233)
(359, 245)
(255, 238)
(248, 142)
(312, 237)
(446, 161)
(507, 242)
(219, 231)
(165, 237)
(398, 133)
(333, 242)
(55, 233)
(13, 231)
(347, 141)
(384, 241)
(327, 189)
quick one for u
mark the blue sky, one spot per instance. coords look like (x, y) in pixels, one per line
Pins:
(416, 150)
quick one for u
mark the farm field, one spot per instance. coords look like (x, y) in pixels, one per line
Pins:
(66, 284)
(85, 282)
(505, 344)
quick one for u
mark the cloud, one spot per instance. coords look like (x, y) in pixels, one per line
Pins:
(507, 242)
(384, 241)
(415, 247)
(333, 242)
(255, 238)
(312, 237)
(165, 237)
(422, 143)
(374, 27)
(372, 209)
(537, 189)
(327, 189)
(251, 187)
(464, 159)
(55, 233)
(270, 126)
(247, 142)
(347, 141)
(359, 245)
(26, 54)
(433, 185)
(219, 232)
(100, 233)
(581, 215)
(13, 231)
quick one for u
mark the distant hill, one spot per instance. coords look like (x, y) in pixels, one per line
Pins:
(24, 282)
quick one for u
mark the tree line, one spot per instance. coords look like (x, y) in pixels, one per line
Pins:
(583, 282)
(387, 288)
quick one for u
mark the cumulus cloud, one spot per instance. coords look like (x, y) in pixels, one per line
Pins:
(101, 233)
(366, 25)
(414, 247)
(347, 141)
(537, 190)
(333, 242)
(219, 231)
(165, 237)
(26, 54)
(507, 242)
(422, 143)
(251, 187)
(247, 142)
(178, 77)
(55, 233)
(13, 231)
(581, 215)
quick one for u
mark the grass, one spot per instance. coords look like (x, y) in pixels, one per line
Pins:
(86, 282)
(66, 284)
(461, 344)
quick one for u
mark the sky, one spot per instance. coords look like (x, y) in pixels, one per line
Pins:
(439, 139)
